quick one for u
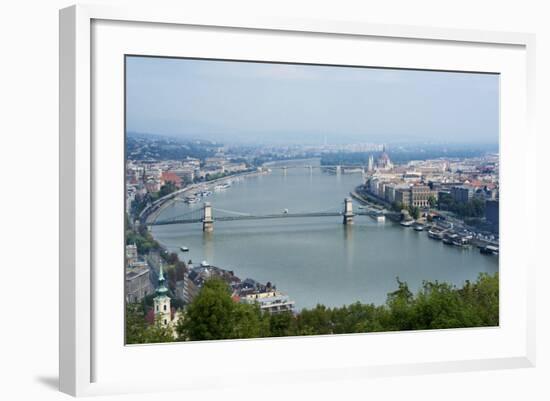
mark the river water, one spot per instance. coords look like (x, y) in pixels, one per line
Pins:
(316, 259)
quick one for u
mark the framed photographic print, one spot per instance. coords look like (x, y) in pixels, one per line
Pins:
(339, 199)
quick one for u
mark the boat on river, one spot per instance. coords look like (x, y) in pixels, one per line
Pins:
(448, 239)
(223, 186)
(184, 249)
(460, 242)
(437, 235)
(489, 250)
(407, 223)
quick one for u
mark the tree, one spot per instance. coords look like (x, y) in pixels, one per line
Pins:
(210, 315)
(282, 324)
(432, 201)
(437, 306)
(167, 189)
(136, 326)
(247, 322)
(138, 331)
(414, 211)
(400, 304)
(481, 300)
(213, 315)
(315, 321)
(158, 333)
(397, 206)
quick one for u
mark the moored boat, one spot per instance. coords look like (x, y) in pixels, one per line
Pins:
(225, 185)
(435, 235)
(489, 250)
(448, 239)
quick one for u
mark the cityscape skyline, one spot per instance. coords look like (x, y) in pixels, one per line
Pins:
(262, 103)
(263, 200)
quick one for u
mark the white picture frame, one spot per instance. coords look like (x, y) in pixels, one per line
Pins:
(80, 211)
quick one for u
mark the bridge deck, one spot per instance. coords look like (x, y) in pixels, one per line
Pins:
(257, 217)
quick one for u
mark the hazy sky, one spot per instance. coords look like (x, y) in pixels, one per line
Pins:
(262, 102)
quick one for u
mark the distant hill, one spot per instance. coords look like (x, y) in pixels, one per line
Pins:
(145, 146)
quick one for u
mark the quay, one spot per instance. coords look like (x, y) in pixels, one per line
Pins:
(151, 212)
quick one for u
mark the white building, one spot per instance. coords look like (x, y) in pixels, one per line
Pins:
(270, 301)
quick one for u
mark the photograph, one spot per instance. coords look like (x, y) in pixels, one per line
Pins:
(273, 199)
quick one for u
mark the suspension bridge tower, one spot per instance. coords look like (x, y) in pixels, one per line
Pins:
(207, 218)
(348, 211)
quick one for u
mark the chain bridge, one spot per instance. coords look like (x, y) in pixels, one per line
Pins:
(209, 214)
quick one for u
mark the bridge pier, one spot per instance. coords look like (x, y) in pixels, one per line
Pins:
(348, 211)
(207, 218)
(338, 169)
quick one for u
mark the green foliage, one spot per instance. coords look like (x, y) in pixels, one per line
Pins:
(314, 321)
(143, 240)
(282, 325)
(397, 206)
(432, 201)
(215, 176)
(473, 208)
(248, 322)
(213, 315)
(414, 211)
(138, 331)
(164, 148)
(136, 325)
(167, 189)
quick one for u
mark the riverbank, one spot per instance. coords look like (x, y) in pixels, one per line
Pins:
(159, 205)
(375, 204)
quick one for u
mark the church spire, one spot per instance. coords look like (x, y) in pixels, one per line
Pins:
(161, 301)
(161, 289)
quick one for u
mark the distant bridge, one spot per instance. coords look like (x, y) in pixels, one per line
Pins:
(208, 214)
(337, 167)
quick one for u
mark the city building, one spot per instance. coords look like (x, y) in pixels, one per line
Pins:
(186, 290)
(138, 283)
(389, 192)
(420, 195)
(370, 166)
(384, 161)
(271, 301)
(462, 193)
(403, 196)
(492, 213)
(234, 167)
(185, 173)
(169, 176)
(131, 254)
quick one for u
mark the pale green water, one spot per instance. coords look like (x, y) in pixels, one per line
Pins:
(317, 260)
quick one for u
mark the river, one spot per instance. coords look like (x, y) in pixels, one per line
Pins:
(316, 259)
